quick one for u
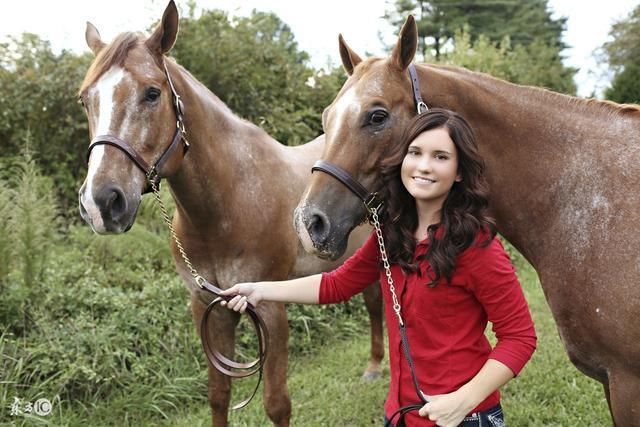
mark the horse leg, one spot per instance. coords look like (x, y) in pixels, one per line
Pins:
(373, 301)
(276, 400)
(218, 385)
(624, 389)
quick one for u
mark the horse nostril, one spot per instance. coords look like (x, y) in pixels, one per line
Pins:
(112, 202)
(318, 227)
(118, 204)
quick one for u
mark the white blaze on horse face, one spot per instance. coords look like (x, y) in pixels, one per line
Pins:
(104, 91)
(346, 107)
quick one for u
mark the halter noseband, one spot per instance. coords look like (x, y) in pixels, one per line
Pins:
(369, 198)
(151, 172)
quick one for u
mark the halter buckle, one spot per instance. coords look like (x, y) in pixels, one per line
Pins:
(153, 177)
(372, 202)
(199, 281)
(422, 107)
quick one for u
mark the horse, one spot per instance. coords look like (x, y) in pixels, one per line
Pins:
(562, 172)
(234, 190)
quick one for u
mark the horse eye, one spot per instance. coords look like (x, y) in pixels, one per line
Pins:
(152, 94)
(378, 117)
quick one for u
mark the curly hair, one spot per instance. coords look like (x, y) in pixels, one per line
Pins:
(465, 211)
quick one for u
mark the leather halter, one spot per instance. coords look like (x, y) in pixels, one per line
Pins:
(152, 172)
(369, 198)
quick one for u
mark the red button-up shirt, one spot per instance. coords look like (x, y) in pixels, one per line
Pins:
(445, 324)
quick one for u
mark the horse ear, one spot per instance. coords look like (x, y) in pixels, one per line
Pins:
(165, 34)
(349, 58)
(92, 36)
(405, 49)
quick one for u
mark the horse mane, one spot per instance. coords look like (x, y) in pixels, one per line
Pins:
(113, 54)
(584, 104)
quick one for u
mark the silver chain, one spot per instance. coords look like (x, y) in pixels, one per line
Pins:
(385, 262)
(196, 276)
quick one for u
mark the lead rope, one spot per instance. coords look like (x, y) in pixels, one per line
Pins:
(400, 413)
(218, 360)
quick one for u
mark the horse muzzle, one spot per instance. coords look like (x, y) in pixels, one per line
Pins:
(318, 235)
(107, 209)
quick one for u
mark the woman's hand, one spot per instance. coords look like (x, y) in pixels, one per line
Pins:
(446, 410)
(245, 294)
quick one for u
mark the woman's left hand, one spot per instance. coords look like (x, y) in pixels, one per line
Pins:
(446, 410)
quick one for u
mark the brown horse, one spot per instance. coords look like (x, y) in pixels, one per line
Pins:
(563, 175)
(235, 191)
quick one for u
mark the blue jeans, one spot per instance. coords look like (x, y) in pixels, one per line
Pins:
(491, 417)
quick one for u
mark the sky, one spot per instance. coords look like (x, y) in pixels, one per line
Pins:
(315, 27)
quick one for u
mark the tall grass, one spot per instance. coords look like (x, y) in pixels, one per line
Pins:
(110, 334)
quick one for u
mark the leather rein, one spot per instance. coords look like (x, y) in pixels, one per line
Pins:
(373, 204)
(153, 174)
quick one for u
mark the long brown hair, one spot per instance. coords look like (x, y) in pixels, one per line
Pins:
(464, 212)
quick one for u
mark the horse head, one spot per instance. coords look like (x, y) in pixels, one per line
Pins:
(368, 114)
(132, 111)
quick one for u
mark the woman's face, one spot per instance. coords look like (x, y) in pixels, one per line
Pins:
(430, 167)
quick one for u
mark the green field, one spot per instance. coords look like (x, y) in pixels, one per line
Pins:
(101, 327)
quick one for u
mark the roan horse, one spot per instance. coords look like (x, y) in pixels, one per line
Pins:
(235, 191)
(563, 174)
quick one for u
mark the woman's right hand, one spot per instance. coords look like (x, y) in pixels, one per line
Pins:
(245, 294)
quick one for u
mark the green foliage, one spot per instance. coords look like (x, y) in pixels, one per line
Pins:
(516, 41)
(38, 102)
(624, 45)
(536, 64)
(623, 55)
(625, 87)
(110, 319)
(29, 231)
(255, 66)
(438, 20)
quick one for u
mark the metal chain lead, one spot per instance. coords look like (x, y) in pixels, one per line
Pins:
(196, 276)
(385, 262)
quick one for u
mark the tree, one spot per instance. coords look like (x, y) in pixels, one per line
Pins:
(38, 106)
(534, 65)
(514, 40)
(255, 66)
(625, 87)
(438, 20)
(622, 54)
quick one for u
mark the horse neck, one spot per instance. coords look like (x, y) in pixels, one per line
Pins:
(535, 143)
(222, 147)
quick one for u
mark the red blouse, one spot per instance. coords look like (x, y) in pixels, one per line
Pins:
(445, 324)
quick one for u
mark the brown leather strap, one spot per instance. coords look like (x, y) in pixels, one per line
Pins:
(225, 365)
(369, 198)
(123, 146)
(421, 106)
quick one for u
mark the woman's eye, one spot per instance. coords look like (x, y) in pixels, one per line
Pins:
(442, 157)
(378, 117)
(152, 94)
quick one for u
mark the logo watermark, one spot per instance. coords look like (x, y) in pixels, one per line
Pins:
(41, 407)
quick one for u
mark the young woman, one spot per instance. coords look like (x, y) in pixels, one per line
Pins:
(450, 274)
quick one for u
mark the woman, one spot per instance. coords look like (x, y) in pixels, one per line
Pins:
(449, 273)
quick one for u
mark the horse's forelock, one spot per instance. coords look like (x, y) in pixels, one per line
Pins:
(111, 55)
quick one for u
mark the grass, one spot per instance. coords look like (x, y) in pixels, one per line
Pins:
(106, 335)
(325, 386)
